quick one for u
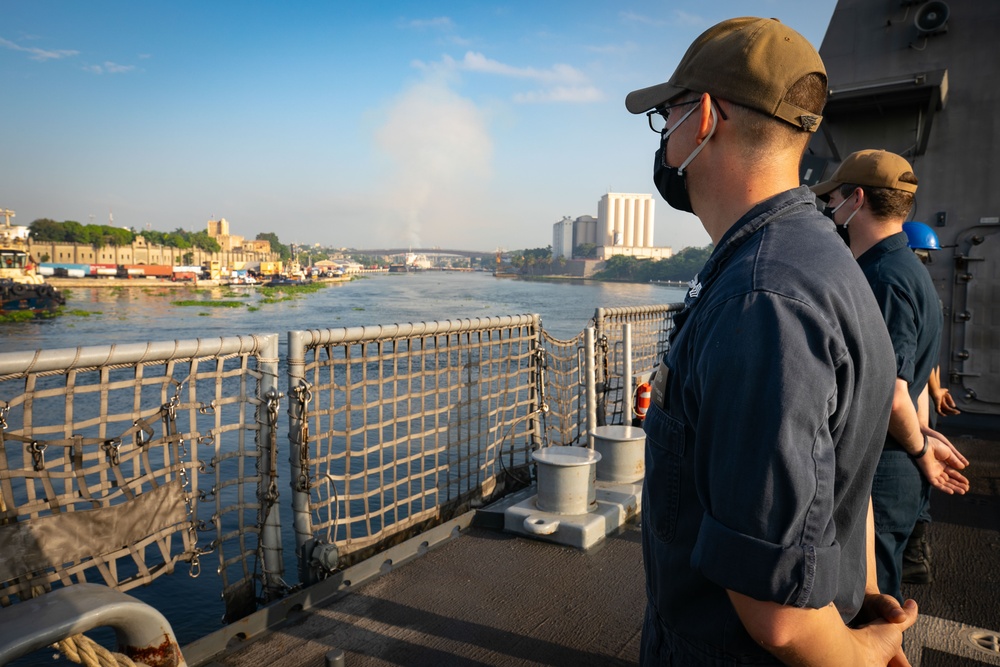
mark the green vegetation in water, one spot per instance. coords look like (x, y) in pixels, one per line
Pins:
(252, 309)
(209, 304)
(277, 299)
(76, 312)
(17, 316)
(357, 308)
(204, 314)
(27, 315)
(305, 288)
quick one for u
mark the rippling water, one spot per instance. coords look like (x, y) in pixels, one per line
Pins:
(142, 311)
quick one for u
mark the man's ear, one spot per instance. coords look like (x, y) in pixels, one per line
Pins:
(705, 120)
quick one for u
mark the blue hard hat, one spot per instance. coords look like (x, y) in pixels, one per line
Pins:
(920, 237)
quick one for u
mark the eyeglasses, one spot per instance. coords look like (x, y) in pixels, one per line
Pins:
(659, 116)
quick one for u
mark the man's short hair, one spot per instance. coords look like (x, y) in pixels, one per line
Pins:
(753, 62)
(760, 135)
(885, 203)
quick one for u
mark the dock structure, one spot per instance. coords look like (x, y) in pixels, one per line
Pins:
(493, 598)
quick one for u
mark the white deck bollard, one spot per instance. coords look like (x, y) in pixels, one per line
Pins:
(623, 453)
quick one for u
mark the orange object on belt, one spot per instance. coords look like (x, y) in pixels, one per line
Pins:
(641, 400)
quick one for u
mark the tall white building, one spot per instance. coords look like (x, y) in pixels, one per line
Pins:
(625, 226)
(562, 239)
(585, 230)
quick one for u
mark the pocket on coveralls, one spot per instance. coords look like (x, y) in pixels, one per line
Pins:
(664, 458)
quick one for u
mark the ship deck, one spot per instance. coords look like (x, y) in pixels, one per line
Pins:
(493, 598)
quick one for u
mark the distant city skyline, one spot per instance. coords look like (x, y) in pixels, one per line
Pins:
(407, 124)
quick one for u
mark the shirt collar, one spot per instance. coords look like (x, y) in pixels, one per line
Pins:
(762, 214)
(885, 246)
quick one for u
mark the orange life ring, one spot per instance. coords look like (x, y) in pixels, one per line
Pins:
(640, 400)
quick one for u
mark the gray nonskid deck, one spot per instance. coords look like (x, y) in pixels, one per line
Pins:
(487, 598)
(491, 598)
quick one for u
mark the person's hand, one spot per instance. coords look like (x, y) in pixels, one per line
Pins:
(879, 606)
(940, 465)
(884, 634)
(944, 403)
(957, 460)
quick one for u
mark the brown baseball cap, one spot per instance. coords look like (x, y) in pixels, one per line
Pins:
(872, 168)
(750, 61)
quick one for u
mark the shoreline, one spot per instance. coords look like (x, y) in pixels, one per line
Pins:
(112, 281)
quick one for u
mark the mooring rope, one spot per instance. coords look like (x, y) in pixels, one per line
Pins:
(85, 651)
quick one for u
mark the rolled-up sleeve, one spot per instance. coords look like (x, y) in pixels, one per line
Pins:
(765, 462)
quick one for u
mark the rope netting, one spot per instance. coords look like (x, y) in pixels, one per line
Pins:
(118, 471)
(402, 432)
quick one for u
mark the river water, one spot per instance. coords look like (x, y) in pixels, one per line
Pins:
(140, 311)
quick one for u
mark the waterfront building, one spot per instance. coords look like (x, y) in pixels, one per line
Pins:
(219, 230)
(258, 246)
(585, 231)
(562, 238)
(625, 227)
(141, 252)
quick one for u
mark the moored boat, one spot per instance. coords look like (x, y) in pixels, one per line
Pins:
(22, 288)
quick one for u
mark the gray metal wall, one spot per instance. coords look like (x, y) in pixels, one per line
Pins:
(934, 98)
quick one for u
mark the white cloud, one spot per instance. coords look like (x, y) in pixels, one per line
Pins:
(440, 22)
(558, 73)
(565, 82)
(109, 68)
(39, 54)
(613, 49)
(441, 153)
(679, 18)
(573, 94)
(632, 17)
(686, 19)
(115, 68)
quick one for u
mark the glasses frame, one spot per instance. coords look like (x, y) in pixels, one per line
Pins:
(666, 116)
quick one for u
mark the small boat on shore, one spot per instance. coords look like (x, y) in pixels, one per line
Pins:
(22, 288)
(284, 281)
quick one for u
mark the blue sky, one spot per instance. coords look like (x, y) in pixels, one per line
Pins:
(361, 124)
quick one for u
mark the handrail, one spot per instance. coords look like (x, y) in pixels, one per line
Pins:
(142, 631)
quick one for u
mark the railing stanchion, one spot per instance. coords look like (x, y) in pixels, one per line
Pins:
(588, 355)
(267, 493)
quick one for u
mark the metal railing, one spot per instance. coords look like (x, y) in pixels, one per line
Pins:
(115, 459)
(651, 326)
(394, 429)
(122, 463)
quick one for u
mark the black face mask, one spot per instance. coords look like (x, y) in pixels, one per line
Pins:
(844, 233)
(669, 182)
(842, 230)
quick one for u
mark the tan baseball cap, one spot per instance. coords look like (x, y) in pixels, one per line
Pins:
(750, 61)
(872, 168)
